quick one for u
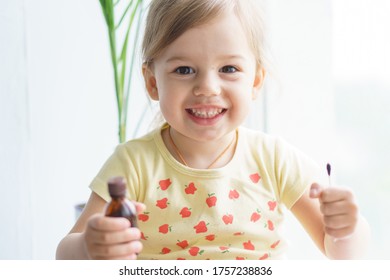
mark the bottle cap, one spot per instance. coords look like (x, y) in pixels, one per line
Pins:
(117, 186)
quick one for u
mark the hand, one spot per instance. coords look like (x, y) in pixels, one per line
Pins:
(340, 212)
(112, 238)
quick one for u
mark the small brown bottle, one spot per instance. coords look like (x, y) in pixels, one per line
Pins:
(120, 206)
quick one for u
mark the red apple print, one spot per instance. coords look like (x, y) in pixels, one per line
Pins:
(165, 250)
(162, 203)
(224, 249)
(248, 245)
(200, 227)
(255, 216)
(164, 229)
(143, 237)
(143, 217)
(183, 244)
(194, 251)
(273, 246)
(190, 189)
(263, 257)
(164, 184)
(238, 233)
(210, 237)
(255, 177)
(227, 219)
(240, 258)
(233, 194)
(270, 225)
(185, 212)
(211, 200)
(271, 205)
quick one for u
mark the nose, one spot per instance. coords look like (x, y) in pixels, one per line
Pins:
(207, 84)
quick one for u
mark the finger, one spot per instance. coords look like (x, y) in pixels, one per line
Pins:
(126, 257)
(336, 194)
(339, 233)
(315, 190)
(342, 207)
(117, 251)
(115, 237)
(102, 223)
(139, 206)
(339, 221)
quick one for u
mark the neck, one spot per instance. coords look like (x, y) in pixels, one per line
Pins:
(200, 154)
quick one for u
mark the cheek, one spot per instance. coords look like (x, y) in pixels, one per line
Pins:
(171, 95)
(165, 105)
(242, 101)
(169, 107)
(243, 94)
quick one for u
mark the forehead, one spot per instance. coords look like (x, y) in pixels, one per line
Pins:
(223, 35)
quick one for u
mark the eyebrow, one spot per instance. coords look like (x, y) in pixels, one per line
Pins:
(229, 56)
(176, 58)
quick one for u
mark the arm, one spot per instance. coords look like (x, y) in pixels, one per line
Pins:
(73, 246)
(97, 237)
(331, 218)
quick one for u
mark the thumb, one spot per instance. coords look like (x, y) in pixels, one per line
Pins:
(315, 190)
(140, 207)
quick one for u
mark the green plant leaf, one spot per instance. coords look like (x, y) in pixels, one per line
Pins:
(124, 14)
(120, 63)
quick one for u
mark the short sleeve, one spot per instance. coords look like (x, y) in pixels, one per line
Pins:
(295, 172)
(118, 164)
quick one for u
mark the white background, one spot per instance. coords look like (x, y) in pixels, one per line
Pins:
(327, 92)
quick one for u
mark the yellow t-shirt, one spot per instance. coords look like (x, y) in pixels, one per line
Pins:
(233, 212)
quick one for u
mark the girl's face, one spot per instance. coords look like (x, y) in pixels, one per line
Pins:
(206, 79)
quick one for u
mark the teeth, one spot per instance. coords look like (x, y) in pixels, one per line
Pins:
(206, 113)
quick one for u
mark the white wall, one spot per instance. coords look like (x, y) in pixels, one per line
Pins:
(57, 116)
(361, 71)
(72, 111)
(299, 94)
(15, 152)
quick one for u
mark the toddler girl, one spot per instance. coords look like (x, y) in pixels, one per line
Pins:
(206, 187)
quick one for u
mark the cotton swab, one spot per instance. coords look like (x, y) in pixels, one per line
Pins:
(329, 169)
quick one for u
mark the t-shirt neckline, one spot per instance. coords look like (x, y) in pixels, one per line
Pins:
(214, 172)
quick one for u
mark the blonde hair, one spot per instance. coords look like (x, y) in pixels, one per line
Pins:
(168, 19)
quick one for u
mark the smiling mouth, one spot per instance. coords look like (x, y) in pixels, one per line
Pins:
(206, 113)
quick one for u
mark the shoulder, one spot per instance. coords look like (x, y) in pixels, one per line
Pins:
(138, 146)
(277, 145)
(256, 137)
(144, 140)
(276, 153)
(260, 142)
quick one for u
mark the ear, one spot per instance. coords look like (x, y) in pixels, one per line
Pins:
(258, 82)
(150, 81)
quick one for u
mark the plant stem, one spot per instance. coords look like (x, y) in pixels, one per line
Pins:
(119, 63)
(127, 92)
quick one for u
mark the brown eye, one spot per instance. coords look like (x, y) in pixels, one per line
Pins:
(184, 70)
(228, 69)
